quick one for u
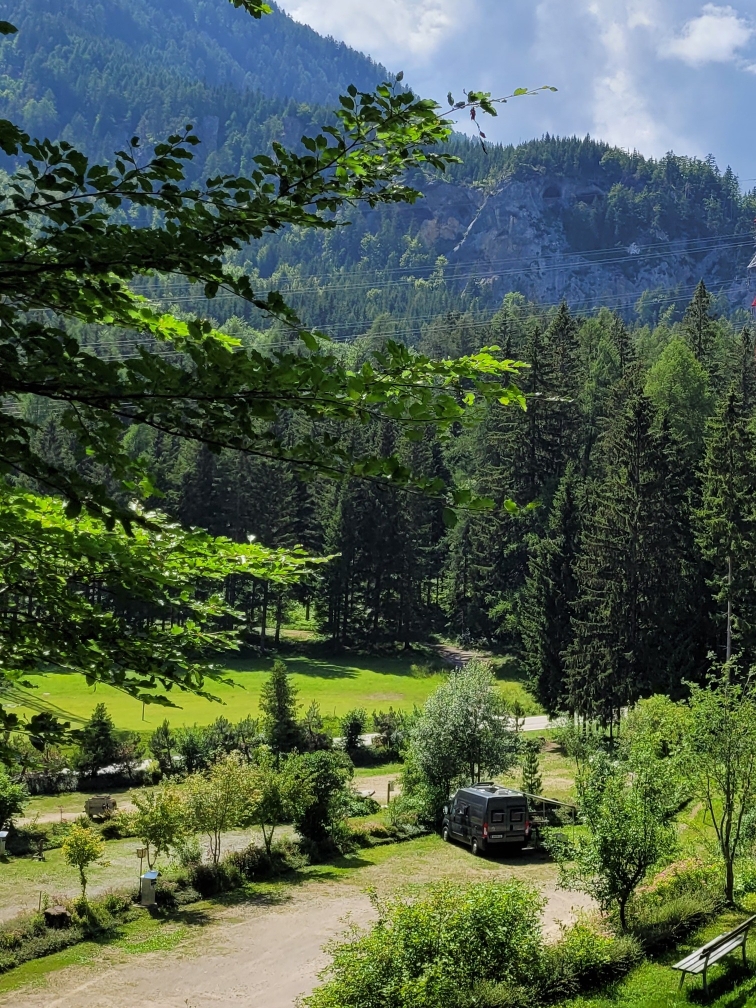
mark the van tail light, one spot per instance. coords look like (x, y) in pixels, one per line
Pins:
(485, 830)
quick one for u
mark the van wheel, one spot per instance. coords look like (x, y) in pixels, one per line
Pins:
(475, 848)
(446, 834)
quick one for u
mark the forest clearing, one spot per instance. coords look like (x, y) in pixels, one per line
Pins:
(336, 684)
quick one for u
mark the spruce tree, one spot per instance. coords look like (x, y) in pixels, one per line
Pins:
(532, 782)
(278, 706)
(98, 743)
(633, 615)
(726, 525)
(700, 329)
(745, 363)
(549, 596)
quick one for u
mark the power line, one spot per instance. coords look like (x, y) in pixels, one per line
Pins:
(560, 255)
(469, 277)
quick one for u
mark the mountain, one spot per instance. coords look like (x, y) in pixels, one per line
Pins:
(553, 218)
(95, 73)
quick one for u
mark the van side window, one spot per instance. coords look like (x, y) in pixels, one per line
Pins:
(498, 816)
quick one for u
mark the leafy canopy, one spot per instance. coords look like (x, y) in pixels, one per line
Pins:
(74, 243)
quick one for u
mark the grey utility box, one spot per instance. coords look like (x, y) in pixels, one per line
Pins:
(147, 885)
(3, 838)
(99, 806)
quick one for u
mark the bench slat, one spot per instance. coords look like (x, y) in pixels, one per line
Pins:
(697, 964)
(716, 949)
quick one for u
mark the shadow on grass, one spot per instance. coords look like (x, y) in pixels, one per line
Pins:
(733, 975)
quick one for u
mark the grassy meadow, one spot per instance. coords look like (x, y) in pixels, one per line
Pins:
(337, 684)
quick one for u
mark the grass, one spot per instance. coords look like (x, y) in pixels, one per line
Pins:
(654, 984)
(337, 685)
(145, 934)
(557, 774)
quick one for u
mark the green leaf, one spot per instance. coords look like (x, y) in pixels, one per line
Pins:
(450, 517)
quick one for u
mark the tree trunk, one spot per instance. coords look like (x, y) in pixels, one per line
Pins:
(264, 616)
(729, 882)
(279, 617)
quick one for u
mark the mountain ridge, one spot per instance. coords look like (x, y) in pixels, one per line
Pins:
(120, 67)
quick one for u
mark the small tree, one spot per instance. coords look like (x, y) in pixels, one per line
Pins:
(462, 734)
(531, 767)
(98, 743)
(282, 794)
(628, 815)
(248, 737)
(13, 798)
(81, 848)
(192, 748)
(221, 799)
(722, 761)
(278, 704)
(160, 820)
(162, 745)
(352, 727)
(324, 777)
(129, 753)
(312, 731)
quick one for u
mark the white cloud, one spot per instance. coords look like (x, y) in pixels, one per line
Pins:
(385, 29)
(621, 114)
(713, 37)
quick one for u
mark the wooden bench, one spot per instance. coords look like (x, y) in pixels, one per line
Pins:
(700, 960)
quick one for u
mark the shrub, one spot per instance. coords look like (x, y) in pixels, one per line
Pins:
(435, 949)
(745, 877)
(360, 805)
(585, 957)
(352, 727)
(677, 900)
(119, 826)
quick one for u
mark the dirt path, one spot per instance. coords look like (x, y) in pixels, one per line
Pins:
(260, 956)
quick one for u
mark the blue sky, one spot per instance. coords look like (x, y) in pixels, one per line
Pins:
(655, 75)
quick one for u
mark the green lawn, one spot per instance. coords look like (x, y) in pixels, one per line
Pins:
(655, 985)
(336, 684)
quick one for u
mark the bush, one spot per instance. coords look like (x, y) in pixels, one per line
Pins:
(429, 951)
(745, 877)
(676, 901)
(360, 805)
(583, 958)
(27, 937)
(118, 826)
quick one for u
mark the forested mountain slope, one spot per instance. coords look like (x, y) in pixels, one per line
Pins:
(96, 73)
(552, 218)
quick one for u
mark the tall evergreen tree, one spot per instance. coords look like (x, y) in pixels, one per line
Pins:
(278, 706)
(726, 525)
(634, 609)
(98, 743)
(549, 596)
(700, 329)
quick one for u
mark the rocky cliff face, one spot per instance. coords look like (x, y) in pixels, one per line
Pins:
(524, 235)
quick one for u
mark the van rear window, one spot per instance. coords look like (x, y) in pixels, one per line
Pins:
(517, 815)
(498, 816)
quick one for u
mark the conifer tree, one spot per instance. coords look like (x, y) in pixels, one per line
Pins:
(726, 525)
(278, 706)
(700, 329)
(623, 343)
(549, 596)
(532, 782)
(98, 743)
(745, 360)
(634, 609)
